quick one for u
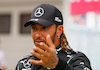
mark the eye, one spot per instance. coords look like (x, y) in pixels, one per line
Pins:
(45, 27)
(34, 28)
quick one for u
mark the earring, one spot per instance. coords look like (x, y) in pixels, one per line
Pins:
(58, 36)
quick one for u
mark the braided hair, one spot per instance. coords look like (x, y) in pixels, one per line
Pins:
(64, 43)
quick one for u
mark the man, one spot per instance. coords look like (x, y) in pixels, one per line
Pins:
(51, 50)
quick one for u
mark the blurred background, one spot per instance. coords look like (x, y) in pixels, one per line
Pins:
(81, 26)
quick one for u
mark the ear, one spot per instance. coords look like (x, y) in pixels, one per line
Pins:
(59, 30)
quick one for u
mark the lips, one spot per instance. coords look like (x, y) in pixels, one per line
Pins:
(38, 42)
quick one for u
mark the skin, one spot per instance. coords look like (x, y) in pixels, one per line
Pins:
(46, 40)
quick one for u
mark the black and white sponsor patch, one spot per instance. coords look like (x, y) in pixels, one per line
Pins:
(26, 64)
(86, 68)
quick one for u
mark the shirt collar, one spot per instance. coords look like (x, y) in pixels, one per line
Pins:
(58, 48)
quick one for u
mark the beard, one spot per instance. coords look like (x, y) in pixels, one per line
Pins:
(42, 39)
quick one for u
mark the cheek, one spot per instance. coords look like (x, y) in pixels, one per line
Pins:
(52, 33)
(32, 34)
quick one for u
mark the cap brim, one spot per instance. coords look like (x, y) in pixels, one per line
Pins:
(42, 22)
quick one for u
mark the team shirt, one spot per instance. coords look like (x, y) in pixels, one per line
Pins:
(68, 60)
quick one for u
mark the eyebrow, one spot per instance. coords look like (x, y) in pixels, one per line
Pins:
(33, 25)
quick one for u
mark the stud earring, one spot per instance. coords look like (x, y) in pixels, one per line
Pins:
(58, 36)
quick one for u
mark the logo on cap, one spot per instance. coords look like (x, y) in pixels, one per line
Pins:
(39, 12)
(57, 19)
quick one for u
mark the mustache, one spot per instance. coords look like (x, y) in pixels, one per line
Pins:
(39, 39)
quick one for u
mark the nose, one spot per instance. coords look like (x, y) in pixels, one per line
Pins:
(38, 33)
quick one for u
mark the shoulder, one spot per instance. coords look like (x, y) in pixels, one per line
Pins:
(24, 62)
(80, 59)
(75, 60)
(80, 55)
(26, 58)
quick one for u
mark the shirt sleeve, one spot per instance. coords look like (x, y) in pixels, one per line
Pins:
(19, 66)
(79, 62)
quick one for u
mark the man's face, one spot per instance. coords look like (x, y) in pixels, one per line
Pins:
(39, 33)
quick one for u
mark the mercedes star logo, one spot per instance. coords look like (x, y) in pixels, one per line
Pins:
(39, 12)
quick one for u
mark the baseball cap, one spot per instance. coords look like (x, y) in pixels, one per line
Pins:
(45, 15)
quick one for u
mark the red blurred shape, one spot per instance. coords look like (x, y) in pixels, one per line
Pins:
(83, 6)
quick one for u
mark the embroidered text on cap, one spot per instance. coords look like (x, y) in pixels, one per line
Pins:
(57, 19)
(39, 12)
